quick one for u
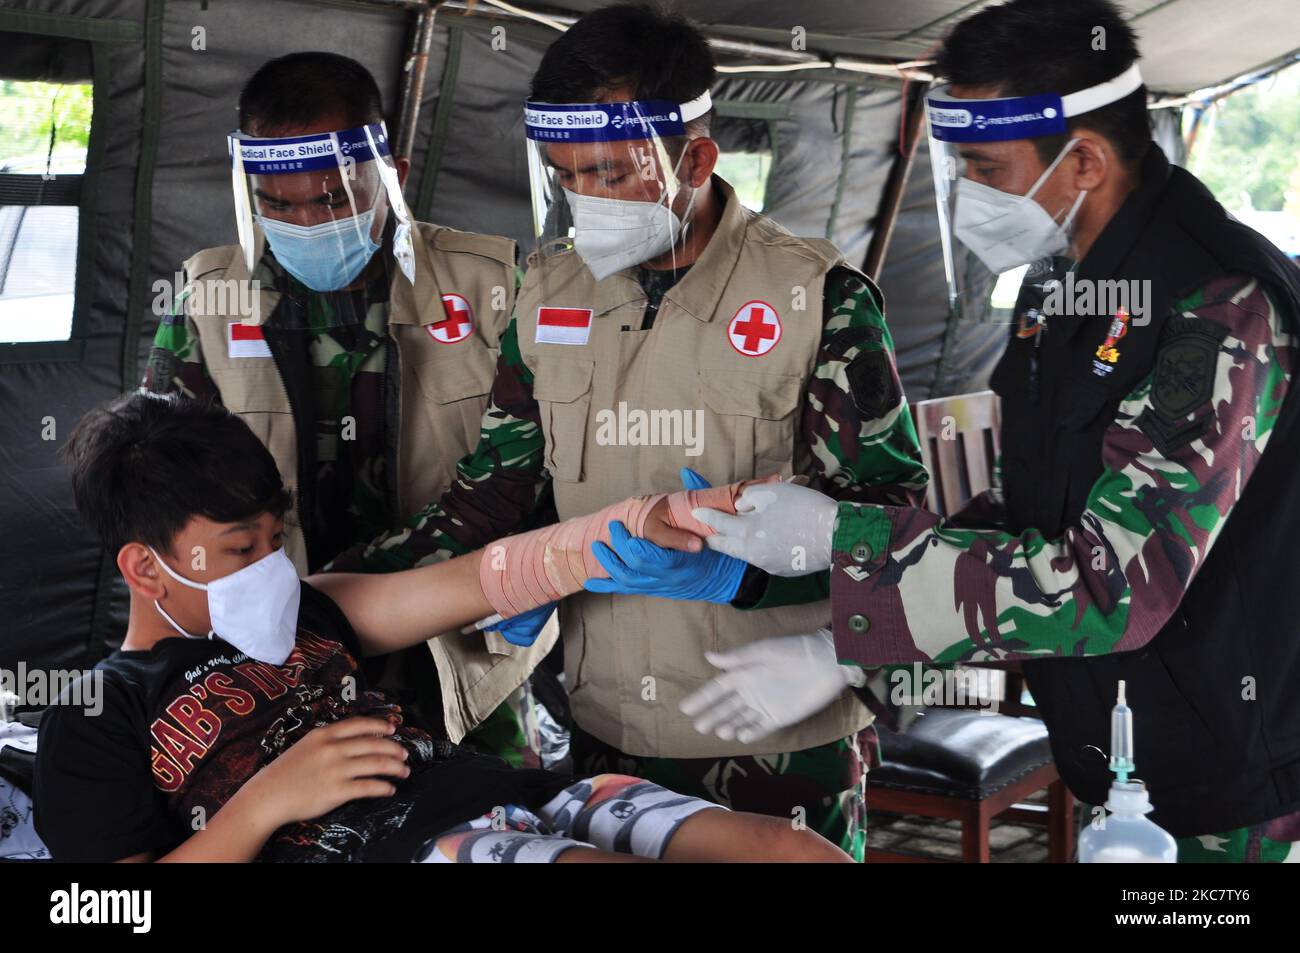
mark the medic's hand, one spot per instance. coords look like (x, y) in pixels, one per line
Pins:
(782, 528)
(768, 685)
(637, 567)
(330, 766)
(524, 628)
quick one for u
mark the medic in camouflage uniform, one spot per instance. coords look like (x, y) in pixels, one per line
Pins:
(1143, 525)
(780, 384)
(358, 344)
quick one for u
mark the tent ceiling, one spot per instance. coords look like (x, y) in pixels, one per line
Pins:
(1187, 44)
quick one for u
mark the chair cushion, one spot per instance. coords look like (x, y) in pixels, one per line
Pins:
(958, 752)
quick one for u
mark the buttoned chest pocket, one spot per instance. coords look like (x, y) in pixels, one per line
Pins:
(751, 417)
(563, 393)
(454, 391)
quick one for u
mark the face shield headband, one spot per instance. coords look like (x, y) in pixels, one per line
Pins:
(1020, 117)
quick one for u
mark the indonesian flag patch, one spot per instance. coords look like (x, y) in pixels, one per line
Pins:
(458, 323)
(563, 325)
(246, 340)
(755, 329)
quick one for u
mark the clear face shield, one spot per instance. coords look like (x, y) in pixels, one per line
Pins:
(322, 202)
(607, 181)
(997, 245)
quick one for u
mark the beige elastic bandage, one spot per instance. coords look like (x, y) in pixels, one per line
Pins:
(522, 572)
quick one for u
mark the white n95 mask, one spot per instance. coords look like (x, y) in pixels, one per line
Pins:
(254, 609)
(1007, 231)
(613, 234)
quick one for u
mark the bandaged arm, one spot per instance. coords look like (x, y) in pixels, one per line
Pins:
(522, 572)
(392, 611)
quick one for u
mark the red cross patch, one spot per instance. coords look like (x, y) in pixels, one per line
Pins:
(459, 323)
(755, 329)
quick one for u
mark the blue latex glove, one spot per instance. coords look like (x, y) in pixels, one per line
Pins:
(637, 567)
(524, 628)
(693, 481)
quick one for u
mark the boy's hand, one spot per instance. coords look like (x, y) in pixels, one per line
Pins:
(330, 766)
(661, 532)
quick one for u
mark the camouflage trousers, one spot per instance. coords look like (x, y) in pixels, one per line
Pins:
(824, 788)
(510, 732)
(1274, 842)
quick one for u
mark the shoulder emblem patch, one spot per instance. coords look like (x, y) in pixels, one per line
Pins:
(1185, 365)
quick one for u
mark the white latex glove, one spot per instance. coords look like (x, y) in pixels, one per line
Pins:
(768, 685)
(782, 528)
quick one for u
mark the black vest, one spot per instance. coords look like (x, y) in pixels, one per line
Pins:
(1211, 760)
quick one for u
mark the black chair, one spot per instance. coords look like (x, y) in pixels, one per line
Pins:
(959, 764)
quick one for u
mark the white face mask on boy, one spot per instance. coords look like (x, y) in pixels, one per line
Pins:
(254, 609)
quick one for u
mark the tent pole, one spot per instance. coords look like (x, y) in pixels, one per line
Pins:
(891, 200)
(417, 64)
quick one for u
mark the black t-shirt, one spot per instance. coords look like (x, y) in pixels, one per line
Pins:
(171, 733)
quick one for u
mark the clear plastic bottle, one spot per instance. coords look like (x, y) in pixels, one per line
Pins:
(1125, 836)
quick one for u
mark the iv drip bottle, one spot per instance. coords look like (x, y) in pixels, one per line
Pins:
(1125, 836)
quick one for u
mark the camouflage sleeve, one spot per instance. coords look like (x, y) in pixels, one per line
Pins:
(909, 586)
(855, 427)
(175, 364)
(497, 489)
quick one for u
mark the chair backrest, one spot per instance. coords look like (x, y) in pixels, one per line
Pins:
(960, 442)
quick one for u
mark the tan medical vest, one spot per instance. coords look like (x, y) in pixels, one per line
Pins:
(630, 660)
(444, 390)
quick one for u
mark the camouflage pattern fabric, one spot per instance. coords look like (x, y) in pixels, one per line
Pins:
(824, 788)
(934, 590)
(499, 484)
(344, 336)
(1275, 842)
(511, 731)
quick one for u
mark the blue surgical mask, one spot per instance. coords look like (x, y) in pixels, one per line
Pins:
(324, 257)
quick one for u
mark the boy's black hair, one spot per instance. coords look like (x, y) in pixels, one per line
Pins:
(144, 464)
(291, 91)
(1027, 47)
(655, 53)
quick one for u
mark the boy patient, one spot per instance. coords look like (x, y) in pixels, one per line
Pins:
(236, 724)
